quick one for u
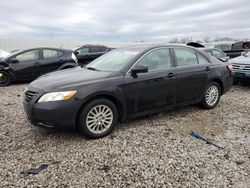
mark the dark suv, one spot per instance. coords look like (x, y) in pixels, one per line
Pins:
(32, 63)
(87, 53)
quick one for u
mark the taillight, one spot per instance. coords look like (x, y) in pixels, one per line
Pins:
(230, 68)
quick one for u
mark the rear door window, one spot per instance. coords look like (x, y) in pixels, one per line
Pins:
(50, 54)
(185, 57)
(96, 49)
(202, 59)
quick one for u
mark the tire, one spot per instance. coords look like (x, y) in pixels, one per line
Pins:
(211, 95)
(93, 122)
(4, 78)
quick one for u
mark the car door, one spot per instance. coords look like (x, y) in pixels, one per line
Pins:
(154, 89)
(51, 60)
(191, 74)
(83, 55)
(25, 64)
(96, 51)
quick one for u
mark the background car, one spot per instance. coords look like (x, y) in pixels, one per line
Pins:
(235, 49)
(217, 53)
(3, 54)
(126, 83)
(241, 68)
(32, 63)
(87, 53)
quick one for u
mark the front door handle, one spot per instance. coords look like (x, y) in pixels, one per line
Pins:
(36, 63)
(171, 74)
(208, 69)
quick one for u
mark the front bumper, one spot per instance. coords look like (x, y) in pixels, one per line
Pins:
(241, 76)
(57, 114)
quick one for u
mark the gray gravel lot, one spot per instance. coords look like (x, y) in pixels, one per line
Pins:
(154, 151)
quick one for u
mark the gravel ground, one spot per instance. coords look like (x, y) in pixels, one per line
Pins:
(154, 151)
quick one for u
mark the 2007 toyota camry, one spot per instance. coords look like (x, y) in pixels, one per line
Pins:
(126, 83)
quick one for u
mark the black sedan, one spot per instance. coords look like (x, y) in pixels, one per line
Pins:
(32, 63)
(87, 53)
(126, 83)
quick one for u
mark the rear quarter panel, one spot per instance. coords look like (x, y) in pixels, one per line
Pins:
(221, 74)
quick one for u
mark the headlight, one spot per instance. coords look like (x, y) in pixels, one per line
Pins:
(57, 96)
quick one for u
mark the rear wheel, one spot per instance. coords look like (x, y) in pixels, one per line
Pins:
(211, 95)
(98, 118)
(4, 78)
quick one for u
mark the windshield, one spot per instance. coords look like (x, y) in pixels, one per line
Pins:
(114, 60)
(12, 54)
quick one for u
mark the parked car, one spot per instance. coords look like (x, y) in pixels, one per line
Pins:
(87, 53)
(3, 54)
(126, 83)
(32, 63)
(241, 68)
(219, 54)
(216, 53)
(237, 49)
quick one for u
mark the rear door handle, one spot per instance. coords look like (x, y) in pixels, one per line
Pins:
(208, 69)
(171, 74)
(36, 63)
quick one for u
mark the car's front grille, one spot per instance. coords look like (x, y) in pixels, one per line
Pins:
(241, 67)
(29, 95)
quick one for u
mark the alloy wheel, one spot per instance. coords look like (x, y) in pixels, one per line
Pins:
(3, 78)
(212, 95)
(99, 119)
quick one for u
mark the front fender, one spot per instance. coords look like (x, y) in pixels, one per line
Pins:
(116, 97)
(8, 70)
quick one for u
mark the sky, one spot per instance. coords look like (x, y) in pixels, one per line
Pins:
(125, 20)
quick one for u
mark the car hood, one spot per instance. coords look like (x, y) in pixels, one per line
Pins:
(241, 60)
(68, 78)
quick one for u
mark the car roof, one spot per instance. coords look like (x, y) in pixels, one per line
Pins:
(151, 46)
(37, 48)
(147, 47)
(210, 49)
(29, 49)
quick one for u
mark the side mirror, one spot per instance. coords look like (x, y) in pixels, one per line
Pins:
(243, 53)
(76, 52)
(138, 69)
(14, 61)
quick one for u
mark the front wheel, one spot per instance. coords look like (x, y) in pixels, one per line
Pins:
(98, 118)
(211, 95)
(4, 78)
